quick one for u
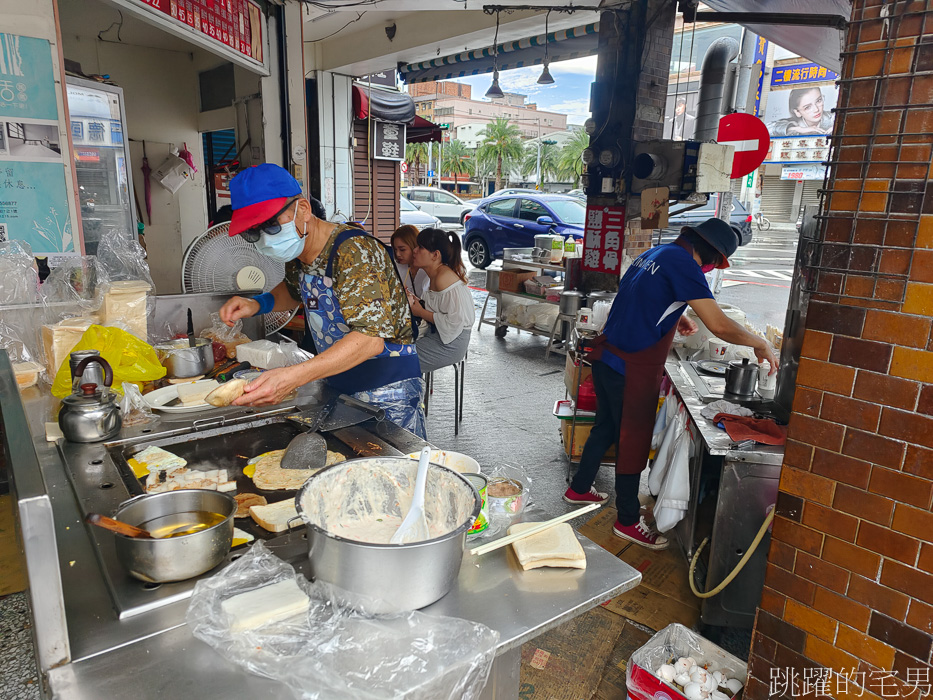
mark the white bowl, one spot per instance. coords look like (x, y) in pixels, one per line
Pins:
(452, 460)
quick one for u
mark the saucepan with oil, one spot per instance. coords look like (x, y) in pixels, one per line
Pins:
(191, 533)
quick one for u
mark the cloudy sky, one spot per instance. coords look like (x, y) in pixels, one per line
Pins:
(570, 93)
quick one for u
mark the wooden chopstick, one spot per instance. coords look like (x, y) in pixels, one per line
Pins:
(540, 527)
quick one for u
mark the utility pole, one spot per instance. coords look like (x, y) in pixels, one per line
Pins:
(538, 166)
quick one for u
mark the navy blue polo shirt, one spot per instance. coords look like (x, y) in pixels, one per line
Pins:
(653, 294)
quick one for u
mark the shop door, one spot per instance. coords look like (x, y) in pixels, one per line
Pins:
(376, 187)
(220, 153)
(811, 193)
(777, 198)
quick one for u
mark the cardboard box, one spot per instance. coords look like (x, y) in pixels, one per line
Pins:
(571, 370)
(514, 280)
(574, 447)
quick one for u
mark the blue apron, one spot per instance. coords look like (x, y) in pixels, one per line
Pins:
(391, 379)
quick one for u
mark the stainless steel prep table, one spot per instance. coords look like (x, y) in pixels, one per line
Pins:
(86, 650)
(748, 483)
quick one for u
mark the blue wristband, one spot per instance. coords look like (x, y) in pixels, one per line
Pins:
(266, 303)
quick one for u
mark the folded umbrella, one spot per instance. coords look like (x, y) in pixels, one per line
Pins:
(147, 187)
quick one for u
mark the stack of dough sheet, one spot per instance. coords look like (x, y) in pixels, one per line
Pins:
(59, 340)
(557, 546)
(261, 606)
(125, 302)
(169, 472)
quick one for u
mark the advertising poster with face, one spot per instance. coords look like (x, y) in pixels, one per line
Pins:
(801, 111)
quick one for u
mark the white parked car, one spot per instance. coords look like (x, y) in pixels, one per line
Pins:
(410, 214)
(440, 203)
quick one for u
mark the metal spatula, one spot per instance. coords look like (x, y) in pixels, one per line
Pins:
(308, 450)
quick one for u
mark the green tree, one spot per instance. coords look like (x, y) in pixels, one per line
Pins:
(502, 141)
(550, 157)
(457, 160)
(415, 155)
(570, 161)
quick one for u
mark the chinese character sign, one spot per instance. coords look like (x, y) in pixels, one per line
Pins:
(761, 53)
(388, 141)
(800, 73)
(27, 87)
(603, 238)
(34, 206)
(235, 23)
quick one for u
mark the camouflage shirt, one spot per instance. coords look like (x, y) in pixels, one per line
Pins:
(371, 296)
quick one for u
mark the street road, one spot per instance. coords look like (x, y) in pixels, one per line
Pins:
(758, 279)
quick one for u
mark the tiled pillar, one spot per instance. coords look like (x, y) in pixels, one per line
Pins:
(849, 585)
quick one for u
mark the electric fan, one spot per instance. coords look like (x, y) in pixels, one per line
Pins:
(218, 262)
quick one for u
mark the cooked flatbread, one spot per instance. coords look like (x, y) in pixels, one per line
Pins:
(270, 476)
(245, 500)
(226, 393)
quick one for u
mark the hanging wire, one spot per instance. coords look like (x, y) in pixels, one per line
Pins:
(546, 41)
(680, 63)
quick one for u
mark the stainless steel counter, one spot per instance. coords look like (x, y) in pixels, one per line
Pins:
(89, 645)
(747, 488)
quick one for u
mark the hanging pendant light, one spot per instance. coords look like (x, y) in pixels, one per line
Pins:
(545, 78)
(494, 89)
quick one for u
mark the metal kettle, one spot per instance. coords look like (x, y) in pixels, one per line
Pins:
(741, 378)
(91, 414)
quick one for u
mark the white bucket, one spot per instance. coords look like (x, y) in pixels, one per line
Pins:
(701, 338)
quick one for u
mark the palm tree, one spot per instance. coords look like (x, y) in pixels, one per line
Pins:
(416, 153)
(570, 162)
(502, 141)
(550, 156)
(457, 160)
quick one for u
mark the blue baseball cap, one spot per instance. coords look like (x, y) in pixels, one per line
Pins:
(259, 193)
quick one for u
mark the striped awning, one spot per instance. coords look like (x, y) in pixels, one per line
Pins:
(562, 46)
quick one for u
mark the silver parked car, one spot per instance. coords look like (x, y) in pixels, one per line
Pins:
(410, 214)
(438, 202)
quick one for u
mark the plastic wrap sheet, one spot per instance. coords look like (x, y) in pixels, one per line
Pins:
(668, 645)
(503, 511)
(337, 653)
(124, 260)
(19, 281)
(75, 288)
(11, 340)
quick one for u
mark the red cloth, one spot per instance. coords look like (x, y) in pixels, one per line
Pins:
(763, 430)
(643, 372)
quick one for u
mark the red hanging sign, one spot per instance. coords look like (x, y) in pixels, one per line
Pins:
(602, 239)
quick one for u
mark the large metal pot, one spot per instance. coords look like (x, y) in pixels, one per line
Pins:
(492, 281)
(396, 577)
(741, 378)
(175, 558)
(180, 360)
(571, 302)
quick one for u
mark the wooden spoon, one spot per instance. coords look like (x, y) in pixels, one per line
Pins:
(117, 527)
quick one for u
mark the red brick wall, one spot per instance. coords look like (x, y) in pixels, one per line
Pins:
(440, 88)
(849, 584)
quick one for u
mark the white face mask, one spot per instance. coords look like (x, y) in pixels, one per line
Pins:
(286, 245)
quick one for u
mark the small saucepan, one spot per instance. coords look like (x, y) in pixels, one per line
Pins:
(192, 532)
(181, 360)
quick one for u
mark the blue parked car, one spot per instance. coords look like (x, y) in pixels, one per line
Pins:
(513, 221)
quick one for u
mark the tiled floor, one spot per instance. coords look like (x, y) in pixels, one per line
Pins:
(18, 677)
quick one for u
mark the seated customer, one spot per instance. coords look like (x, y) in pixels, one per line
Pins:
(448, 313)
(404, 241)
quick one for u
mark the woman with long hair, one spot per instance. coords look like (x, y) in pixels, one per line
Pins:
(807, 115)
(404, 241)
(447, 313)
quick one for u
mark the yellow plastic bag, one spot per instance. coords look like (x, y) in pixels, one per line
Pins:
(131, 359)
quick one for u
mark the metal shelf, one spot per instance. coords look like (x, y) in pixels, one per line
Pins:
(525, 295)
(531, 265)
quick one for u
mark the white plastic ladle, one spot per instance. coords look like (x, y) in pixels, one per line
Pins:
(414, 527)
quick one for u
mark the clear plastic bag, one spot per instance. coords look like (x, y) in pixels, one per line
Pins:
(12, 342)
(230, 336)
(19, 281)
(124, 260)
(76, 286)
(336, 652)
(134, 408)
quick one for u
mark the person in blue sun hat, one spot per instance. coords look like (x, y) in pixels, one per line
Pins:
(354, 301)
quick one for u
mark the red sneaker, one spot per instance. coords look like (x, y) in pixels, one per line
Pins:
(591, 496)
(640, 533)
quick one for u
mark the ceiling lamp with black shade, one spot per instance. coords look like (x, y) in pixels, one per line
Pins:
(545, 78)
(494, 90)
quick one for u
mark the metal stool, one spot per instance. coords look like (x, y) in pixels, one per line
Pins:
(459, 376)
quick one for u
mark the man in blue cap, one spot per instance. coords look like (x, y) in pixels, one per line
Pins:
(354, 302)
(628, 361)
